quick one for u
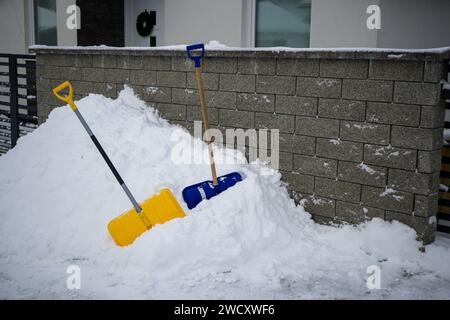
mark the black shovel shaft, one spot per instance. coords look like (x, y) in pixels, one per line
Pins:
(108, 161)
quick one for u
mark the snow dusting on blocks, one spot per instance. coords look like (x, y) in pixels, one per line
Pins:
(360, 130)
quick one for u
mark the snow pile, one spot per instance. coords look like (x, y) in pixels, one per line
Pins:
(57, 196)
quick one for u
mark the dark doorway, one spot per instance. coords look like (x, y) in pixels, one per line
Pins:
(102, 23)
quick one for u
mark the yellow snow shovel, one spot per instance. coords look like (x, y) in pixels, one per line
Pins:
(160, 208)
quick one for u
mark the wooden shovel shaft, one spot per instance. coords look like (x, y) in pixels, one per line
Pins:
(201, 90)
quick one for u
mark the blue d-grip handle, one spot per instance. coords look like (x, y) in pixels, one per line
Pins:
(197, 58)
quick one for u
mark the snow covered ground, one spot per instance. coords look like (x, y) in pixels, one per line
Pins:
(57, 196)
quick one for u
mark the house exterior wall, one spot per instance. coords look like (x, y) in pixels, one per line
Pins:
(132, 9)
(65, 36)
(17, 25)
(13, 29)
(360, 132)
(334, 23)
(414, 24)
(404, 24)
(341, 23)
(202, 21)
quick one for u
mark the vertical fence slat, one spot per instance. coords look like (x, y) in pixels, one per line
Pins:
(14, 100)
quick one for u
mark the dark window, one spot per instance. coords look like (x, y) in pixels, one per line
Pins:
(45, 22)
(282, 23)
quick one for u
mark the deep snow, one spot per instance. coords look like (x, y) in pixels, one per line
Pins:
(57, 196)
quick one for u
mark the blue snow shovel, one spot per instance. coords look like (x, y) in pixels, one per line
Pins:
(194, 194)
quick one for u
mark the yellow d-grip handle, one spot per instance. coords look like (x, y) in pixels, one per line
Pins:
(69, 98)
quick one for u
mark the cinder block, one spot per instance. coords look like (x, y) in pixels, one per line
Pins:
(82, 88)
(210, 80)
(362, 173)
(298, 182)
(318, 127)
(143, 77)
(83, 60)
(108, 89)
(286, 161)
(45, 99)
(157, 94)
(43, 59)
(319, 87)
(365, 132)
(266, 66)
(435, 71)
(71, 73)
(342, 109)
(416, 138)
(338, 149)
(93, 74)
(123, 61)
(409, 70)
(420, 183)
(392, 113)
(298, 67)
(236, 119)
(43, 84)
(417, 93)
(193, 113)
(135, 61)
(182, 64)
(185, 96)
(388, 156)
(221, 99)
(426, 206)
(429, 162)
(256, 102)
(297, 144)
(315, 166)
(355, 69)
(425, 230)
(388, 199)
(319, 207)
(432, 116)
(275, 84)
(171, 79)
(356, 213)
(339, 190)
(117, 75)
(63, 60)
(370, 90)
(296, 105)
(285, 123)
(111, 61)
(172, 111)
(104, 61)
(220, 65)
(156, 63)
(237, 82)
(48, 72)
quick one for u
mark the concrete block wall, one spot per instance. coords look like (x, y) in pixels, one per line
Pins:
(360, 132)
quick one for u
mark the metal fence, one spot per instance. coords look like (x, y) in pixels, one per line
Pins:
(443, 216)
(18, 108)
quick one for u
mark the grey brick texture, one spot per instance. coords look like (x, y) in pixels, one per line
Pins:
(360, 133)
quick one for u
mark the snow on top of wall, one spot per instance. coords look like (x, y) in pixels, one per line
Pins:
(217, 46)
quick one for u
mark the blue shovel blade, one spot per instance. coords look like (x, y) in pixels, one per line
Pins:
(194, 194)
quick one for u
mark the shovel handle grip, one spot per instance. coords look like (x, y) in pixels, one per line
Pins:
(197, 58)
(69, 97)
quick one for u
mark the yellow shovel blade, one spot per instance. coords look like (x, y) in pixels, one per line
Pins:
(158, 209)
